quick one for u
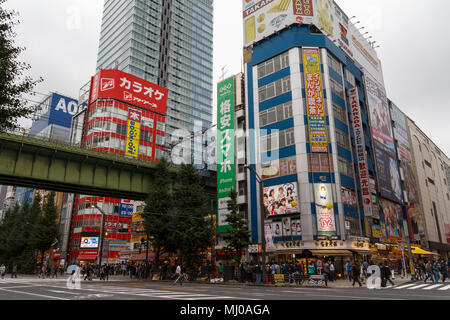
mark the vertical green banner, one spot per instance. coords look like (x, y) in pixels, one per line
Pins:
(226, 178)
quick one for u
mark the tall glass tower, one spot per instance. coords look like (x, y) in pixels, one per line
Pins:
(167, 42)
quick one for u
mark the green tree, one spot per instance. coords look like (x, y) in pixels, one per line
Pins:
(192, 231)
(13, 85)
(238, 236)
(158, 220)
(45, 231)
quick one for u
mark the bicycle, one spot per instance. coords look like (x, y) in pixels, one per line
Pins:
(181, 278)
(297, 278)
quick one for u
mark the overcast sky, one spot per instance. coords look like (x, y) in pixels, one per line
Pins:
(61, 37)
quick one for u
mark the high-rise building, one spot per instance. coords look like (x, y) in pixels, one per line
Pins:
(169, 43)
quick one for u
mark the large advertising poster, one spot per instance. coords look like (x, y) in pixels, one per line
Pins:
(326, 222)
(380, 118)
(282, 199)
(263, 18)
(225, 149)
(314, 101)
(388, 174)
(360, 147)
(133, 133)
(392, 214)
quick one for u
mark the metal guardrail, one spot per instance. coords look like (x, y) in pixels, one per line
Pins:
(23, 136)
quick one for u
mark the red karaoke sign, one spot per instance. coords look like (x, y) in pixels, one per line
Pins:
(122, 86)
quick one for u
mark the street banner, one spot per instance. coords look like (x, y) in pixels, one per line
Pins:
(269, 240)
(133, 133)
(314, 101)
(225, 149)
(360, 147)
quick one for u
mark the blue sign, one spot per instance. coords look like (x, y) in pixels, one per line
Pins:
(126, 209)
(62, 109)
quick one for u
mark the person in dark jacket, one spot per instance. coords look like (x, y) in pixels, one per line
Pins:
(386, 271)
(356, 272)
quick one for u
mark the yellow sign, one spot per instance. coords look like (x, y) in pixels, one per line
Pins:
(133, 133)
(315, 102)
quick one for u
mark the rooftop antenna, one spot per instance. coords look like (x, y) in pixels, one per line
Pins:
(224, 72)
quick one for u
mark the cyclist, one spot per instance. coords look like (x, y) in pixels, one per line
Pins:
(179, 275)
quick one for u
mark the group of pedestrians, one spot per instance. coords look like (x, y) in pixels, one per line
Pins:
(434, 270)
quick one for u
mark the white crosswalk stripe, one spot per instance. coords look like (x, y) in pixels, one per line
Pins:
(424, 286)
(433, 287)
(418, 287)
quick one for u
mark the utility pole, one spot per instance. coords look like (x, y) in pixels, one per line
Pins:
(263, 214)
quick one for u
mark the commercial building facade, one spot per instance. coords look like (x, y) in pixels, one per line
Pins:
(168, 43)
(321, 136)
(126, 116)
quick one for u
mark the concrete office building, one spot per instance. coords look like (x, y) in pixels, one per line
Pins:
(432, 167)
(169, 43)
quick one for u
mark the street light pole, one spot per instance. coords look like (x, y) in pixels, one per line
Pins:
(94, 206)
(263, 215)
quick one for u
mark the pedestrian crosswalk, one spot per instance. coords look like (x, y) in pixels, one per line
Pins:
(423, 286)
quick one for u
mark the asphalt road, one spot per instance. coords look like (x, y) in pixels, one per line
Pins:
(31, 288)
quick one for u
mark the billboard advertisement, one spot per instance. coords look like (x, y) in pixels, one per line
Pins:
(226, 179)
(126, 208)
(89, 242)
(314, 101)
(282, 199)
(269, 238)
(360, 146)
(279, 168)
(133, 133)
(118, 85)
(388, 174)
(326, 221)
(392, 216)
(380, 119)
(401, 133)
(263, 18)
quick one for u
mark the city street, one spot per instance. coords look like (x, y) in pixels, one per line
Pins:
(31, 288)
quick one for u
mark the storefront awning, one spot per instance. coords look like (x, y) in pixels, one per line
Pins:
(331, 252)
(417, 250)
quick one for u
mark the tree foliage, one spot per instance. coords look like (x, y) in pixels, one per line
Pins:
(238, 235)
(13, 83)
(175, 214)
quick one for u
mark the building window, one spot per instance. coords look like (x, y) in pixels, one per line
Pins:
(345, 167)
(350, 78)
(273, 65)
(342, 139)
(334, 64)
(278, 140)
(339, 113)
(274, 89)
(276, 114)
(337, 88)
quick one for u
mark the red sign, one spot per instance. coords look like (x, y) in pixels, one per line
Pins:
(122, 86)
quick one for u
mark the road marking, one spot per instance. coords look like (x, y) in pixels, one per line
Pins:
(418, 287)
(432, 287)
(65, 292)
(405, 286)
(445, 288)
(34, 294)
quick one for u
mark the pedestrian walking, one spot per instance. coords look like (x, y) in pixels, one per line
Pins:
(348, 267)
(326, 272)
(437, 275)
(2, 271)
(220, 269)
(332, 272)
(387, 274)
(444, 270)
(14, 271)
(429, 272)
(356, 272)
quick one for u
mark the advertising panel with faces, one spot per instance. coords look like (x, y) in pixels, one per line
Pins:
(324, 208)
(282, 199)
